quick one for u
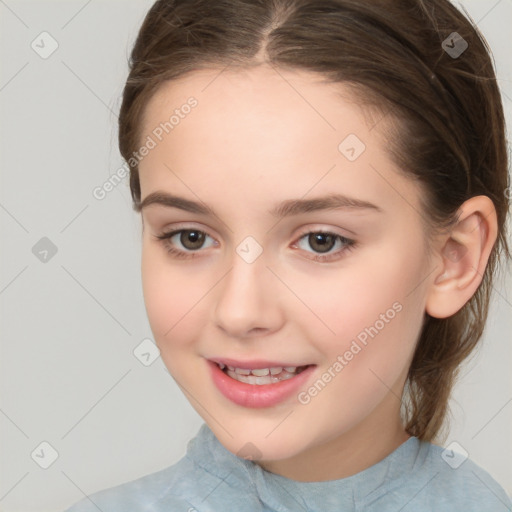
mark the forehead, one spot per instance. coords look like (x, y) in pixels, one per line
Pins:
(281, 129)
(297, 93)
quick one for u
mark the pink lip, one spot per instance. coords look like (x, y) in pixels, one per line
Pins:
(255, 363)
(254, 395)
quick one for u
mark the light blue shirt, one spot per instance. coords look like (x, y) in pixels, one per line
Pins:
(413, 478)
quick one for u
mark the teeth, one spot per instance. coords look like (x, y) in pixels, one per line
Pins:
(253, 379)
(261, 373)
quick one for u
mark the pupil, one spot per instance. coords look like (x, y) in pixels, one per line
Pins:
(316, 239)
(195, 238)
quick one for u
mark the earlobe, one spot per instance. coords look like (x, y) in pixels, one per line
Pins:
(462, 258)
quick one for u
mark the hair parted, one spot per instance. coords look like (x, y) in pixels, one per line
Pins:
(450, 124)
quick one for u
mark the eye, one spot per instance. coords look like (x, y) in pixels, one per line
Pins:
(191, 239)
(323, 242)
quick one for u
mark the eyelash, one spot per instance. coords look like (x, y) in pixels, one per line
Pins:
(165, 239)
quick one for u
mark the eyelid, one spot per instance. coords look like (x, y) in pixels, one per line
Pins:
(302, 231)
(326, 230)
(184, 226)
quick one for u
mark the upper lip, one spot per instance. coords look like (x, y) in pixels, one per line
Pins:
(254, 363)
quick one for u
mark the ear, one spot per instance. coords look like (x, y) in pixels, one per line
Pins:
(461, 257)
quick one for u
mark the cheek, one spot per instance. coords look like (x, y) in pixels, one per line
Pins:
(355, 296)
(376, 328)
(374, 312)
(170, 295)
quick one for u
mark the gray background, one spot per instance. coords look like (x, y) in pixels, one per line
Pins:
(69, 325)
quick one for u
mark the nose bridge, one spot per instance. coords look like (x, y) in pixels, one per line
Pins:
(245, 299)
(248, 267)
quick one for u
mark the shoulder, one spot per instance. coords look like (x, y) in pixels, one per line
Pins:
(181, 487)
(452, 481)
(164, 488)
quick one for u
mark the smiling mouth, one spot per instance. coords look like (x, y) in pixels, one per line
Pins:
(264, 375)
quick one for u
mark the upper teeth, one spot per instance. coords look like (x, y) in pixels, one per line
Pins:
(260, 372)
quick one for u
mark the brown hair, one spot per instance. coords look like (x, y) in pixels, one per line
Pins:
(391, 53)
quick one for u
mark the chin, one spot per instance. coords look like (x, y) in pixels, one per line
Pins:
(252, 445)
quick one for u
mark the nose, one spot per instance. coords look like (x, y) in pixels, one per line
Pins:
(247, 301)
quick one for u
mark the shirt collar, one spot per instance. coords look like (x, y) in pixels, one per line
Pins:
(283, 494)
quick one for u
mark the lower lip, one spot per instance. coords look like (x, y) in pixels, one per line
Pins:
(255, 395)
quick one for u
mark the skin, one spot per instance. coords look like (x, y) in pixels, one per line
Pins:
(257, 138)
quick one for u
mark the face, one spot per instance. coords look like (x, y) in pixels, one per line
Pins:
(258, 281)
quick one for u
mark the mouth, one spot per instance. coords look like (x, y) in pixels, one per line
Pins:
(259, 384)
(259, 372)
(261, 376)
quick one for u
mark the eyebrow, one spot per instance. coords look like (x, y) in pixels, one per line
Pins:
(287, 208)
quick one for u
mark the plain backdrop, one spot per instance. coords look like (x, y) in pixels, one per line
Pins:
(72, 310)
